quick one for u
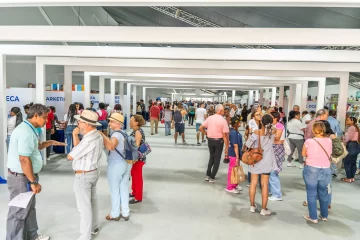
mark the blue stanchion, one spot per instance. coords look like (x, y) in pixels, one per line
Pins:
(2, 181)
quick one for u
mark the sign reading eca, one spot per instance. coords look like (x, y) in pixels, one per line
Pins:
(12, 99)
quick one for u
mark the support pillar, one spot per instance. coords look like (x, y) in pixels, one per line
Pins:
(102, 89)
(144, 97)
(321, 94)
(233, 96)
(67, 88)
(128, 110)
(291, 98)
(134, 88)
(112, 93)
(250, 98)
(304, 92)
(281, 97)
(257, 95)
(342, 101)
(3, 116)
(121, 92)
(267, 96)
(87, 89)
(298, 94)
(261, 100)
(273, 96)
(40, 97)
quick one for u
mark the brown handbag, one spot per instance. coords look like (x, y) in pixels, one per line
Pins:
(251, 156)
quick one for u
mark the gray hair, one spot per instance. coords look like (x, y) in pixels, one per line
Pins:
(218, 108)
(320, 112)
(38, 109)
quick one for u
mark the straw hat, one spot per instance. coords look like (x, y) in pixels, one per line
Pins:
(117, 117)
(89, 117)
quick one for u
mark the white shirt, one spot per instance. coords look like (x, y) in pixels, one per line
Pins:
(307, 117)
(253, 125)
(232, 113)
(295, 126)
(200, 115)
(69, 123)
(11, 122)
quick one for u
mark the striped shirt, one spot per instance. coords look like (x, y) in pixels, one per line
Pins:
(88, 152)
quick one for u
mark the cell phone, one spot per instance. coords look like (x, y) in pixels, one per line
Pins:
(28, 187)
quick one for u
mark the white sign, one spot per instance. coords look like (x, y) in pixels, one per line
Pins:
(18, 97)
(311, 106)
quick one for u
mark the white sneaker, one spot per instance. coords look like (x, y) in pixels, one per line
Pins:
(290, 164)
(212, 180)
(239, 188)
(95, 231)
(265, 212)
(301, 166)
(253, 208)
(42, 237)
(232, 191)
(207, 178)
(272, 198)
(248, 185)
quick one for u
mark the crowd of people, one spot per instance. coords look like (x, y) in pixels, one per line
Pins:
(314, 136)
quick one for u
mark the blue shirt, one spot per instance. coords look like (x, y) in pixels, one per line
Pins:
(335, 125)
(24, 141)
(235, 138)
(114, 155)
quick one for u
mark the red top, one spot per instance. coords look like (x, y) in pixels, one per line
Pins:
(102, 115)
(154, 112)
(50, 118)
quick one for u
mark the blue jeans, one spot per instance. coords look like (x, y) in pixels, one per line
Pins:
(68, 136)
(167, 128)
(274, 185)
(8, 142)
(317, 181)
(118, 174)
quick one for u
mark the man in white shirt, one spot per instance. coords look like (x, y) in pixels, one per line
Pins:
(200, 116)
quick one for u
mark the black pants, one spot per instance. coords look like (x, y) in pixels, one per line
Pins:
(48, 137)
(215, 149)
(191, 119)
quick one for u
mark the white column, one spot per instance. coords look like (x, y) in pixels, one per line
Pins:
(342, 102)
(304, 91)
(257, 95)
(67, 89)
(87, 89)
(3, 116)
(134, 98)
(321, 94)
(291, 98)
(102, 90)
(273, 96)
(281, 97)
(250, 98)
(172, 98)
(128, 100)
(121, 93)
(40, 97)
(267, 96)
(298, 94)
(144, 97)
(112, 93)
(261, 99)
(233, 96)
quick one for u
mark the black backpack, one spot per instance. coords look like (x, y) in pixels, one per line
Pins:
(178, 116)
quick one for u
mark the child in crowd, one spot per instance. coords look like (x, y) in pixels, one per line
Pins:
(235, 152)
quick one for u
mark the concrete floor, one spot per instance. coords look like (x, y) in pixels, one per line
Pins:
(179, 204)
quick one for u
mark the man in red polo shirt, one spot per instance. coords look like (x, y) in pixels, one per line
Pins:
(50, 129)
(154, 118)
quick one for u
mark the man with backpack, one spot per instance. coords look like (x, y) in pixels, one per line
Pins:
(179, 122)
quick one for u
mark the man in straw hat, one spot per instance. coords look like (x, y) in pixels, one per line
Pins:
(86, 156)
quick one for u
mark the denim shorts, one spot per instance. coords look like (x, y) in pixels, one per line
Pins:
(104, 125)
(198, 126)
(180, 128)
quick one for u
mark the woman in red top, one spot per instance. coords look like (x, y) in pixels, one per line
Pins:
(103, 115)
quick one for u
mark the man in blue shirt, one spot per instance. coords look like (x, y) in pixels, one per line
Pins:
(334, 123)
(24, 164)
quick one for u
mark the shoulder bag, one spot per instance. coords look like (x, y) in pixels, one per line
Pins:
(251, 155)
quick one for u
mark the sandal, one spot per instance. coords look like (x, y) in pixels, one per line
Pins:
(346, 180)
(305, 203)
(309, 219)
(324, 219)
(125, 218)
(134, 201)
(352, 180)
(109, 218)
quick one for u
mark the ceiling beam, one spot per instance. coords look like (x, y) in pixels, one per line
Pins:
(184, 35)
(200, 3)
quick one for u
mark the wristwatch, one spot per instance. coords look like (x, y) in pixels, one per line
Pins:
(34, 182)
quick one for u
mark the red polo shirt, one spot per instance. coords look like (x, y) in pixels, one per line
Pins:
(154, 112)
(50, 118)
